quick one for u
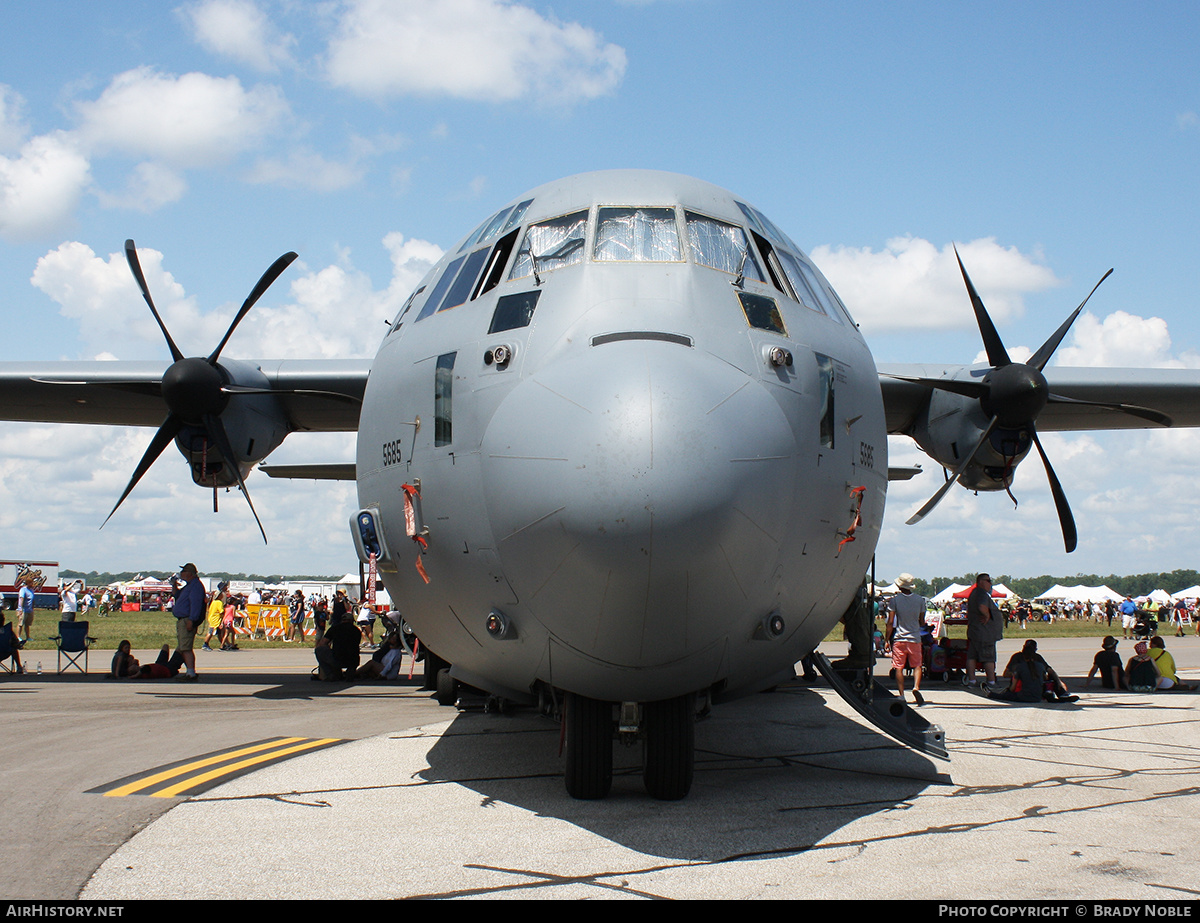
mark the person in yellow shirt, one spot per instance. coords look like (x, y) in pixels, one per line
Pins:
(1166, 666)
(216, 609)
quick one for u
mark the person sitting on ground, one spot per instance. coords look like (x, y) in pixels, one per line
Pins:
(1031, 679)
(337, 652)
(124, 664)
(385, 663)
(9, 646)
(1166, 666)
(1108, 664)
(166, 666)
(1141, 672)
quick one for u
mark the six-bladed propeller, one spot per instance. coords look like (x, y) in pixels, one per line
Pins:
(197, 390)
(1012, 394)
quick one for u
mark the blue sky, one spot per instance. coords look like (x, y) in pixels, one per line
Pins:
(1050, 141)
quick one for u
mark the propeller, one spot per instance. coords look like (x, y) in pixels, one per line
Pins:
(1012, 394)
(195, 389)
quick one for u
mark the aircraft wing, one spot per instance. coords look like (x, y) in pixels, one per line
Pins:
(1175, 392)
(314, 395)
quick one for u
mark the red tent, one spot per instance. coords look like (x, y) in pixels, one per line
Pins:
(963, 594)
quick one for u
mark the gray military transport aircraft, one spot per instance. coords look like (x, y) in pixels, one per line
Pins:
(622, 453)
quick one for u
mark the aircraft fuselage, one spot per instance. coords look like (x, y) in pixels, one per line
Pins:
(640, 422)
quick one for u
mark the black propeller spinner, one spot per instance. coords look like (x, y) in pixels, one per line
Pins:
(197, 390)
(1012, 394)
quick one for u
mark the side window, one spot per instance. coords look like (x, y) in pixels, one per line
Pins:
(825, 395)
(439, 289)
(513, 311)
(443, 393)
(778, 277)
(495, 267)
(637, 234)
(404, 310)
(805, 285)
(465, 281)
(551, 245)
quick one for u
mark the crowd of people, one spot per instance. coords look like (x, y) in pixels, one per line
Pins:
(912, 634)
(342, 628)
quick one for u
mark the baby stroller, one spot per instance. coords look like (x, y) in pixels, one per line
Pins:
(1145, 625)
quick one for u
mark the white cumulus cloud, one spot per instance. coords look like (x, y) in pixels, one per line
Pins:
(40, 188)
(1122, 340)
(193, 120)
(329, 313)
(240, 30)
(912, 283)
(488, 50)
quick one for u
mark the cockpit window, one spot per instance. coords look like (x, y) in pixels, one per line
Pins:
(517, 215)
(439, 290)
(807, 287)
(514, 311)
(465, 282)
(504, 220)
(765, 226)
(762, 312)
(551, 245)
(404, 310)
(637, 234)
(721, 246)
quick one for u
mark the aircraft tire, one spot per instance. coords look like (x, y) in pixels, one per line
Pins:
(447, 688)
(433, 666)
(589, 747)
(670, 747)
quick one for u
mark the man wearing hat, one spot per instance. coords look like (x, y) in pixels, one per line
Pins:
(1108, 664)
(189, 611)
(906, 613)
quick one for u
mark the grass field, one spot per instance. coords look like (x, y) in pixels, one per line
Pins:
(150, 630)
(143, 630)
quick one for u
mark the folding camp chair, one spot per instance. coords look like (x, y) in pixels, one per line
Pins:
(73, 641)
(8, 642)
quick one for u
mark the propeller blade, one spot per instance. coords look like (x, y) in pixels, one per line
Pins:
(1039, 359)
(1070, 537)
(976, 389)
(168, 431)
(136, 267)
(273, 272)
(996, 353)
(945, 488)
(216, 431)
(1146, 413)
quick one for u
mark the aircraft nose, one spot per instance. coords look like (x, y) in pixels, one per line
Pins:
(638, 496)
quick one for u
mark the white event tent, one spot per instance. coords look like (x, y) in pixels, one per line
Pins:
(1081, 593)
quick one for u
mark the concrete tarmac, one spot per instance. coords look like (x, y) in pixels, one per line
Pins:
(794, 797)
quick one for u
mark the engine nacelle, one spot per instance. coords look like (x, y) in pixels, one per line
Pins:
(951, 424)
(254, 423)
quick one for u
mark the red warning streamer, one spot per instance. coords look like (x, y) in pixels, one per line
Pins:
(857, 493)
(410, 525)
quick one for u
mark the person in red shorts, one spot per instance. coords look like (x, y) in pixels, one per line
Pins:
(906, 614)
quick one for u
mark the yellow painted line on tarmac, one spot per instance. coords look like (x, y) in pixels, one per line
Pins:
(212, 768)
(173, 790)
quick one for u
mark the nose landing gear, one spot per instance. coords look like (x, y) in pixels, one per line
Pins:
(668, 728)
